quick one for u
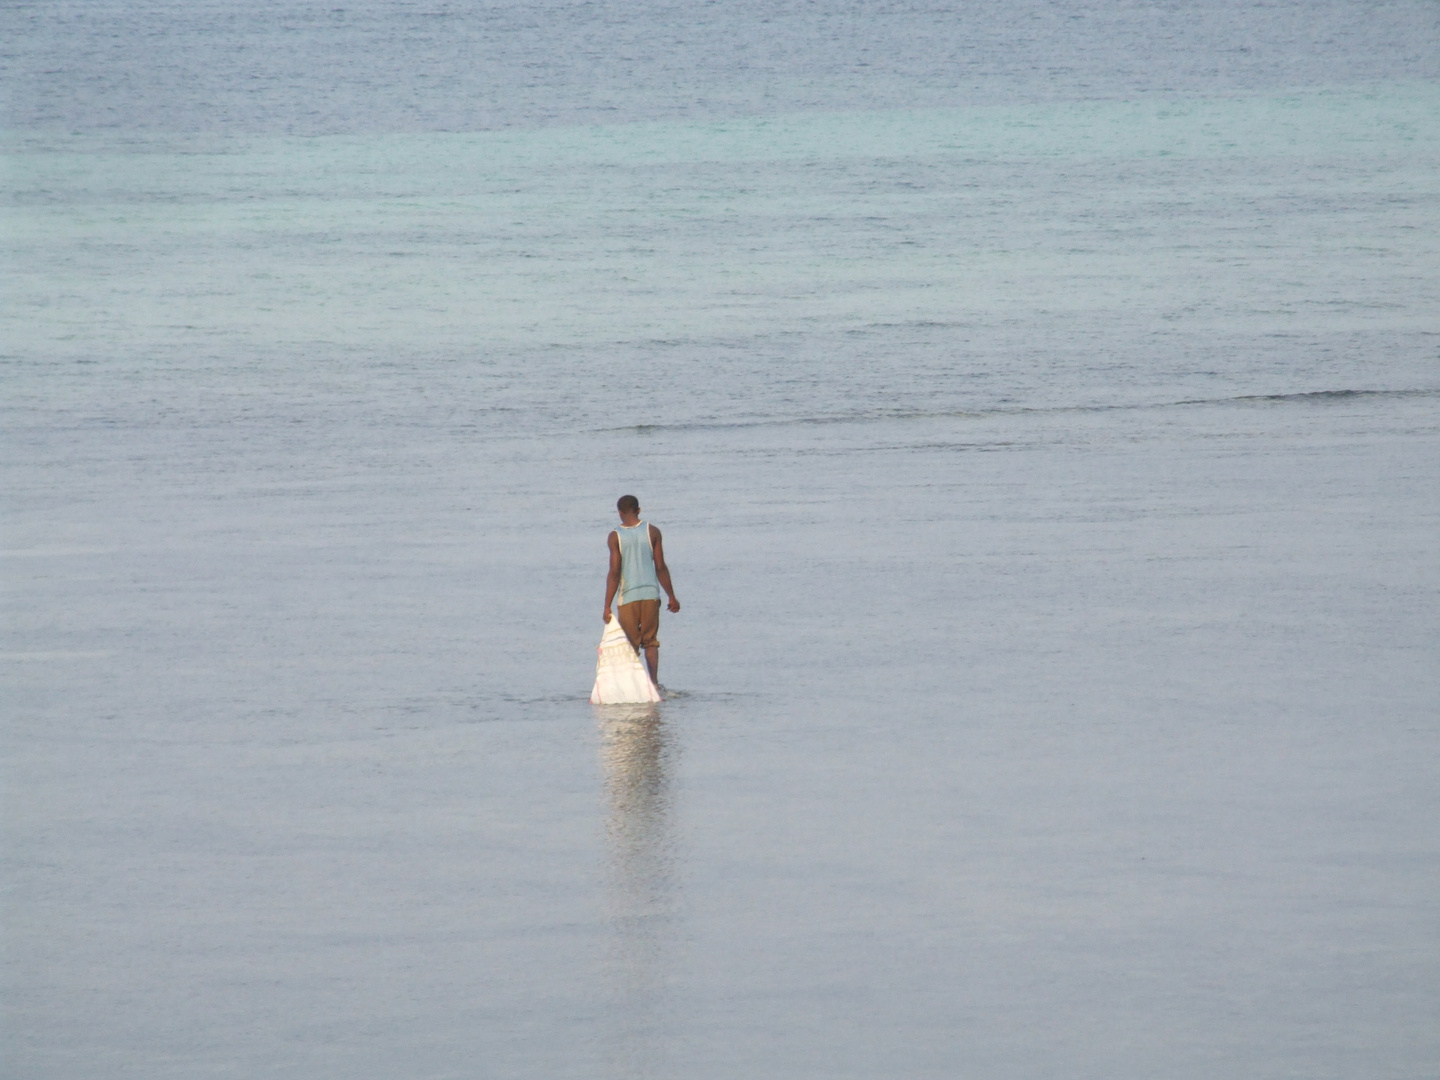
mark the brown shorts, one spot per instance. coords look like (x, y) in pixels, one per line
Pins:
(641, 622)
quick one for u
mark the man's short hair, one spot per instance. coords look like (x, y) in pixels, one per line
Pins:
(628, 504)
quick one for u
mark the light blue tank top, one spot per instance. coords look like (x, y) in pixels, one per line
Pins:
(637, 565)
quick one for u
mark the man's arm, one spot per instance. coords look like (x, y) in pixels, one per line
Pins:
(661, 570)
(612, 580)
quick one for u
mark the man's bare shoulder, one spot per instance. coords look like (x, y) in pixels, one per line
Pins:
(654, 535)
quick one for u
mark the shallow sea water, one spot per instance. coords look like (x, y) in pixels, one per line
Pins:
(1047, 459)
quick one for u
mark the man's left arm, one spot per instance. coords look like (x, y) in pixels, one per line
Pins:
(661, 570)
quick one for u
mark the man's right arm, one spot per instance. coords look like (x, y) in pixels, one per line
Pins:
(662, 572)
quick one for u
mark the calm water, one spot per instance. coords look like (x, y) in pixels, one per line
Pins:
(1042, 406)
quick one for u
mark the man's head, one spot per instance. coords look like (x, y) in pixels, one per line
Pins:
(629, 506)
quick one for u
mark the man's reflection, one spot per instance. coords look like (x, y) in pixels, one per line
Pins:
(637, 761)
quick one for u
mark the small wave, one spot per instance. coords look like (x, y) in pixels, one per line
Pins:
(883, 415)
(544, 699)
(1326, 396)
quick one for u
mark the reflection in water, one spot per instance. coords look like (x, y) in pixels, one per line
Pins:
(638, 763)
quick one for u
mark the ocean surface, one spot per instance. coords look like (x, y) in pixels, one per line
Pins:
(1041, 404)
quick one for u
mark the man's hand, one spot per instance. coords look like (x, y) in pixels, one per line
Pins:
(674, 604)
(607, 615)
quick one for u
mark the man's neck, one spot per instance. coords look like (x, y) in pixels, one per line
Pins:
(629, 524)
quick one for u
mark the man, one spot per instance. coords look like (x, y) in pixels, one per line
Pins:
(638, 572)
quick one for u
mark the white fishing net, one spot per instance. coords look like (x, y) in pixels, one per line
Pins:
(620, 675)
